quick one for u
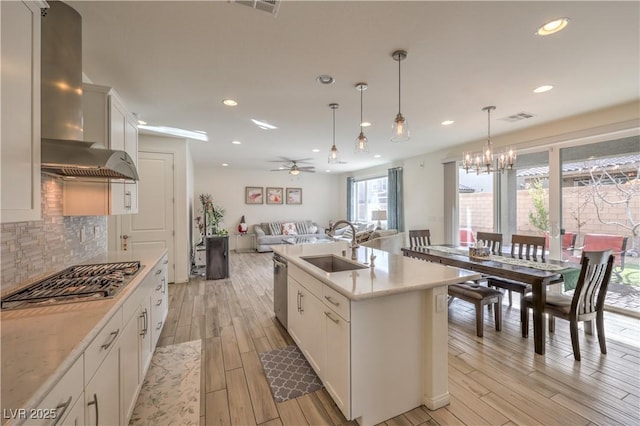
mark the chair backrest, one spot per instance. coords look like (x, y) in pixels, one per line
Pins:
(466, 237)
(419, 238)
(492, 240)
(528, 247)
(568, 240)
(593, 282)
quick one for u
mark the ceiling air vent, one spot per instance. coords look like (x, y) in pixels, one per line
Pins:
(517, 117)
(270, 6)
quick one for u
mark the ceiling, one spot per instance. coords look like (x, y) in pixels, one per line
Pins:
(173, 62)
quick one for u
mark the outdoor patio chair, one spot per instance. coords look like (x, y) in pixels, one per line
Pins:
(586, 304)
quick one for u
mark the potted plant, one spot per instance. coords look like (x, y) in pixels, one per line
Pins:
(213, 216)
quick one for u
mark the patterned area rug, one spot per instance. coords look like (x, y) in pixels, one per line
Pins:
(288, 373)
(170, 394)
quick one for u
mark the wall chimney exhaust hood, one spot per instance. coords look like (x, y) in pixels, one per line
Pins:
(63, 151)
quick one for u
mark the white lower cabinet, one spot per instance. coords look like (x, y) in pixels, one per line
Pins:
(102, 393)
(112, 367)
(322, 334)
(338, 367)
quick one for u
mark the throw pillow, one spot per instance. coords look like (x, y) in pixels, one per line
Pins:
(289, 228)
(313, 229)
(363, 236)
(302, 228)
(275, 228)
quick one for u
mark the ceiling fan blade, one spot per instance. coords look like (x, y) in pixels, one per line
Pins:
(307, 169)
(279, 170)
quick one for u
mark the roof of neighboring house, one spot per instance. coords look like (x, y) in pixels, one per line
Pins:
(581, 166)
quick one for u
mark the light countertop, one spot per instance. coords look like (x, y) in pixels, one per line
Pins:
(392, 273)
(39, 344)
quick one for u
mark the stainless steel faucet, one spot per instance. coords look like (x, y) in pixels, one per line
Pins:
(354, 244)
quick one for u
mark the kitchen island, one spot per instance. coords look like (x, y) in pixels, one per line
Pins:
(376, 335)
(50, 354)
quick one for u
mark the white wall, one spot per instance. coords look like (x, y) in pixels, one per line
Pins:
(320, 196)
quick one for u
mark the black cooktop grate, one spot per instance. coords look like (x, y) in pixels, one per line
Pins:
(75, 283)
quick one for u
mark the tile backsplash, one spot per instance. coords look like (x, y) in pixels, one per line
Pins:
(30, 250)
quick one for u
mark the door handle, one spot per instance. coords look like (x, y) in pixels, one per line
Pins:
(95, 402)
(124, 239)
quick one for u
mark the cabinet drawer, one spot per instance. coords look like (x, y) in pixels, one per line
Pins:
(130, 306)
(307, 281)
(339, 303)
(62, 397)
(101, 345)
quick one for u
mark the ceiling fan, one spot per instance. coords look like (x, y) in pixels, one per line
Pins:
(292, 166)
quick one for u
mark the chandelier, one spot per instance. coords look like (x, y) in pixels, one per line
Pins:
(486, 161)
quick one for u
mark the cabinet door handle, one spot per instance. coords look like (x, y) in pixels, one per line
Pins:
(166, 261)
(159, 302)
(145, 318)
(298, 301)
(159, 287)
(60, 409)
(95, 402)
(164, 285)
(159, 326)
(127, 200)
(301, 308)
(333, 302)
(114, 335)
(159, 271)
(331, 318)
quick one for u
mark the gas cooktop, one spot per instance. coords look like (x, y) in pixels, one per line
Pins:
(74, 284)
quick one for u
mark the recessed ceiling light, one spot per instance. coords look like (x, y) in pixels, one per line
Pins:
(365, 124)
(224, 164)
(325, 79)
(328, 171)
(447, 122)
(263, 125)
(229, 102)
(377, 156)
(236, 142)
(542, 89)
(315, 150)
(553, 27)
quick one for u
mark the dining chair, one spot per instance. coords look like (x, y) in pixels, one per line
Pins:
(419, 238)
(492, 240)
(586, 304)
(522, 247)
(480, 296)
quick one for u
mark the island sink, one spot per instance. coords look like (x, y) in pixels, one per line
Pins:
(332, 263)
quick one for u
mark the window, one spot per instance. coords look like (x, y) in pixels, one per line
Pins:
(475, 197)
(369, 195)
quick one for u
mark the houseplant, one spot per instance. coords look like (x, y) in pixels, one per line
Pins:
(213, 216)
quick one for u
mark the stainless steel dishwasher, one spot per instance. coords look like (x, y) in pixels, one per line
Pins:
(280, 288)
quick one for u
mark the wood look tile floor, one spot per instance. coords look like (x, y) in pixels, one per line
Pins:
(495, 380)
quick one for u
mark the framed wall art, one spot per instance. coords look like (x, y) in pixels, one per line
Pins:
(294, 195)
(274, 195)
(253, 195)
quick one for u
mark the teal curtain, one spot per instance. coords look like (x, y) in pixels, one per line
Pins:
(395, 201)
(350, 185)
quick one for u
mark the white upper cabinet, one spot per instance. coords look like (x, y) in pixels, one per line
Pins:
(20, 111)
(108, 123)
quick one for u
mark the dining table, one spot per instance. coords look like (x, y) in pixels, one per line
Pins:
(537, 274)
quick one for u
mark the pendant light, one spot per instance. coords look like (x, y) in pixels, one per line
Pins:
(333, 152)
(400, 128)
(484, 161)
(362, 145)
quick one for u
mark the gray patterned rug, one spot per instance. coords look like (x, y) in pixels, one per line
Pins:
(288, 373)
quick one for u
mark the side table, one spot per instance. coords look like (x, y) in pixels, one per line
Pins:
(243, 248)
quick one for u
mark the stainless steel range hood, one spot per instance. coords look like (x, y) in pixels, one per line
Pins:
(63, 151)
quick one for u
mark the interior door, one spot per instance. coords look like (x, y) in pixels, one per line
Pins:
(153, 225)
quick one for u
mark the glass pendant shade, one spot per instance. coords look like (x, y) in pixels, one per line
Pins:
(400, 128)
(362, 143)
(333, 152)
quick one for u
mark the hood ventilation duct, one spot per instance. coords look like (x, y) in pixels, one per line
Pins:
(63, 150)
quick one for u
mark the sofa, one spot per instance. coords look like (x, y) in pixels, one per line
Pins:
(364, 232)
(392, 242)
(278, 232)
